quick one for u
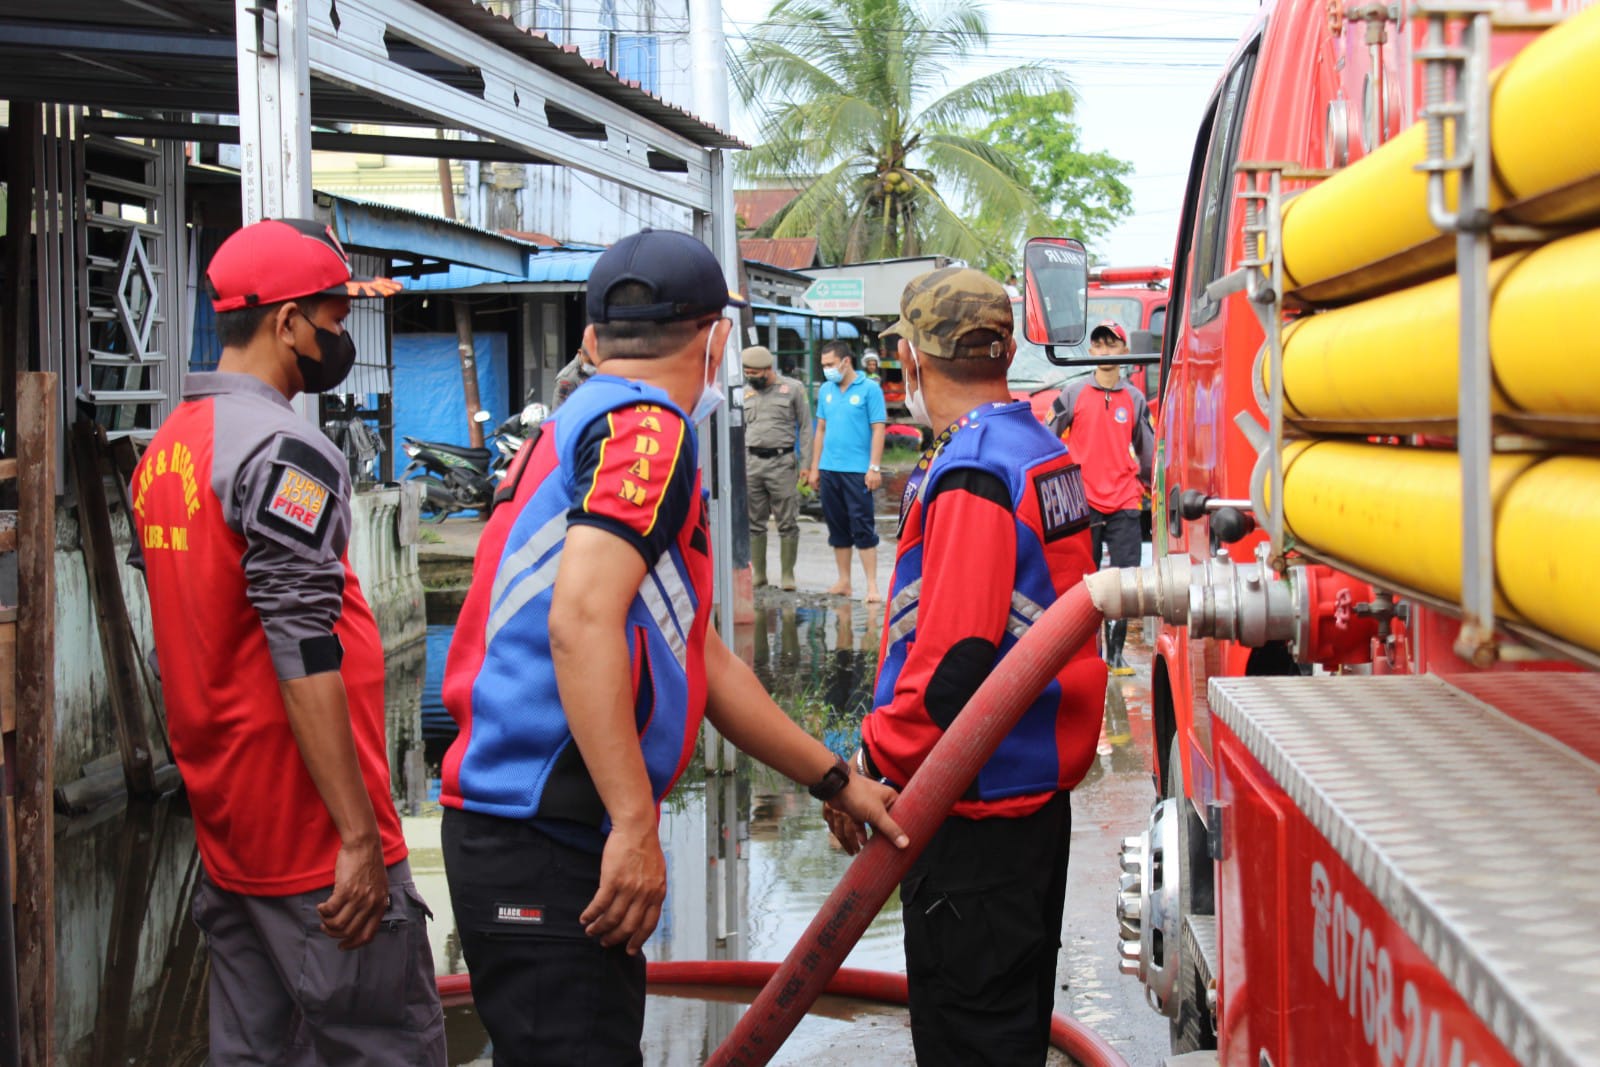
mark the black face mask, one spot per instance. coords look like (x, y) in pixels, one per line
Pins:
(756, 381)
(338, 352)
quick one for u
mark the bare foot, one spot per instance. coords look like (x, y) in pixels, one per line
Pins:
(873, 596)
(839, 589)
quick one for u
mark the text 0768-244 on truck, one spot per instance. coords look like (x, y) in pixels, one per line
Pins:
(1377, 549)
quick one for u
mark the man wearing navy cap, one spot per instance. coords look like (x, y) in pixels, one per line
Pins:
(582, 665)
(272, 676)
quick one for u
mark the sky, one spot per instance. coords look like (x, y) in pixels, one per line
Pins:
(1143, 70)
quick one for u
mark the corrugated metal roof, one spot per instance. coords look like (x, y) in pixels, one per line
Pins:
(562, 266)
(755, 206)
(180, 55)
(571, 64)
(790, 253)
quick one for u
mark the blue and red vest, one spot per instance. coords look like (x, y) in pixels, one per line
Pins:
(1051, 746)
(515, 756)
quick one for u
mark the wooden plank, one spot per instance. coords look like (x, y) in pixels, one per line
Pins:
(111, 610)
(8, 469)
(8, 679)
(36, 726)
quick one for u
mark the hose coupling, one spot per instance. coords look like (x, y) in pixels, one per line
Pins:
(1243, 602)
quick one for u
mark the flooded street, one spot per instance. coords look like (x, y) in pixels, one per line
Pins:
(749, 863)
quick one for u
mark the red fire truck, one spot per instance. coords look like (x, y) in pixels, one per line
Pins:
(1377, 550)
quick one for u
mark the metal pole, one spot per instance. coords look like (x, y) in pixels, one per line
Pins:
(275, 118)
(1474, 431)
(709, 62)
(274, 108)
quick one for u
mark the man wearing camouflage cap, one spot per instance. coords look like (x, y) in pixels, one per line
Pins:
(993, 528)
(777, 419)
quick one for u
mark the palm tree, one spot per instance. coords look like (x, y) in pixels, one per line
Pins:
(856, 112)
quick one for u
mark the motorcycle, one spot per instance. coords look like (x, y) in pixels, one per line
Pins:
(513, 433)
(455, 478)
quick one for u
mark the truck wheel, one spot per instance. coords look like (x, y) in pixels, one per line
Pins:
(1191, 1026)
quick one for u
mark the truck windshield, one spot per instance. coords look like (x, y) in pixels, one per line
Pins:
(1125, 309)
(1031, 370)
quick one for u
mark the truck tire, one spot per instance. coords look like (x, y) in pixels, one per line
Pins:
(1191, 1028)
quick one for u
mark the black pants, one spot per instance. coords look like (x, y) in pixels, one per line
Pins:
(982, 911)
(547, 992)
(1118, 532)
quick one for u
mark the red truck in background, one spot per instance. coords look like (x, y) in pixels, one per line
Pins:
(1377, 550)
(1136, 297)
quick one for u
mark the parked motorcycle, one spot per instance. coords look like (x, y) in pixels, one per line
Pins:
(456, 478)
(513, 433)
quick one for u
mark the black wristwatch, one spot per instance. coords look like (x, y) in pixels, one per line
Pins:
(833, 782)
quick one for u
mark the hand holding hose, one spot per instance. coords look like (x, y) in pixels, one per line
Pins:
(859, 803)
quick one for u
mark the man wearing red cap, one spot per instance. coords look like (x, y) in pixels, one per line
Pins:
(272, 674)
(1113, 440)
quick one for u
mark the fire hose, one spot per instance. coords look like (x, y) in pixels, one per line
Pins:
(813, 965)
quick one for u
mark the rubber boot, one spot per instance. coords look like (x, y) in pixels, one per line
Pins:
(788, 550)
(1116, 637)
(758, 559)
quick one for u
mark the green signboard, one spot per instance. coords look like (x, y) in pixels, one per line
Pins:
(837, 296)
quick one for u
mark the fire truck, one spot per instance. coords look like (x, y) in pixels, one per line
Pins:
(1377, 551)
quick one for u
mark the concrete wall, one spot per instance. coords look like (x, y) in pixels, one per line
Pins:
(85, 729)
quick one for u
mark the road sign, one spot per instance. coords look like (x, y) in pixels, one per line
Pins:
(837, 296)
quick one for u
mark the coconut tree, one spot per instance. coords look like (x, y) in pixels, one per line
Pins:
(856, 111)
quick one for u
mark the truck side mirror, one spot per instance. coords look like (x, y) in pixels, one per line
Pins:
(1055, 291)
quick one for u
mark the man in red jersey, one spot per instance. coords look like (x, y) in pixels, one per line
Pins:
(272, 673)
(1113, 441)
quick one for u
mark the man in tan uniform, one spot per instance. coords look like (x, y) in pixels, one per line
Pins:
(777, 417)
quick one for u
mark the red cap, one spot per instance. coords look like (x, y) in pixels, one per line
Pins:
(275, 260)
(1114, 327)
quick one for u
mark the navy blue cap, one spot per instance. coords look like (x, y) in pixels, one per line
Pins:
(682, 275)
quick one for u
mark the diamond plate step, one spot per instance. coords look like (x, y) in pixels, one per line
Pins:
(1200, 944)
(1478, 835)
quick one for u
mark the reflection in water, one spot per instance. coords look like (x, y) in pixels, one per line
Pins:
(749, 864)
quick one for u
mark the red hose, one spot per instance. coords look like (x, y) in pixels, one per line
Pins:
(882, 987)
(813, 964)
(952, 765)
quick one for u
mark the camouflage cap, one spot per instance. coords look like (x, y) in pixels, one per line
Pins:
(939, 309)
(757, 357)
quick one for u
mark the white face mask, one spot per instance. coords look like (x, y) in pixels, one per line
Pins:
(916, 405)
(711, 394)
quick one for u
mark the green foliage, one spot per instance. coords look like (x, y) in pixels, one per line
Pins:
(1080, 193)
(857, 111)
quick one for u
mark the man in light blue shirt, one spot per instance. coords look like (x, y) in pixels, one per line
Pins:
(845, 457)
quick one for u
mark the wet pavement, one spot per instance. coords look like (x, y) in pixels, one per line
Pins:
(749, 861)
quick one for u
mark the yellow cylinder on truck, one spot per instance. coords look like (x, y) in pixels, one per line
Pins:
(1395, 513)
(1386, 360)
(1546, 351)
(1368, 212)
(1546, 135)
(1395, 358)
(1545, 119)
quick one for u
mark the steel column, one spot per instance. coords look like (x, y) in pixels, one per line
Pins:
(274, 108)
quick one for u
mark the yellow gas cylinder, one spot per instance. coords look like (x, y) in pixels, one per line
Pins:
(1395, 512)
(1547, 547)
(1545, 134)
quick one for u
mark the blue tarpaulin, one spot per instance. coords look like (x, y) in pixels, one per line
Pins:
(429, 402)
